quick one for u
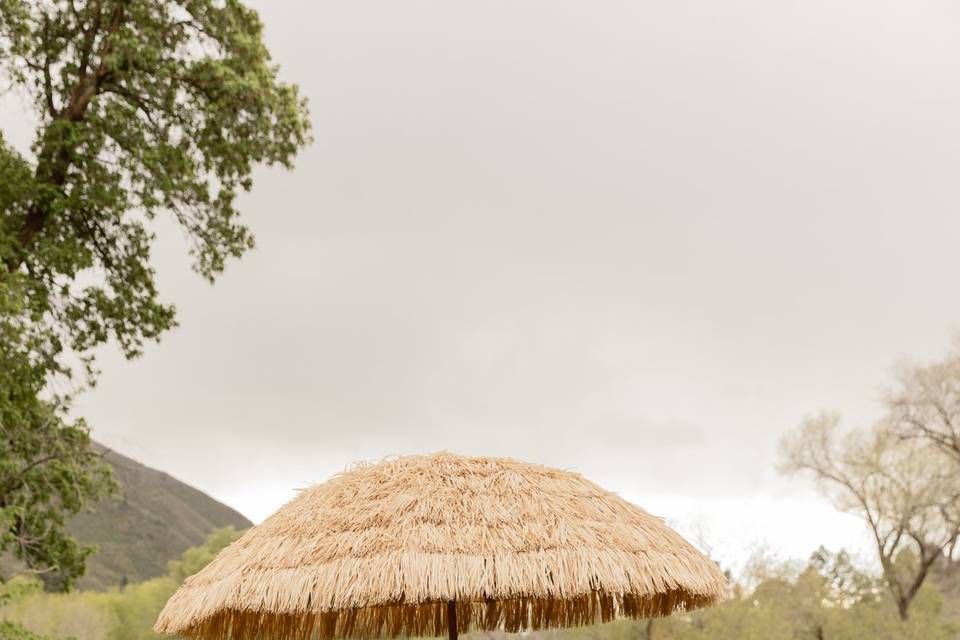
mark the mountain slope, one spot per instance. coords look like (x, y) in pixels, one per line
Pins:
(155, 518)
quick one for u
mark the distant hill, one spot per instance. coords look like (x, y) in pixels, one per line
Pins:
(154, 520)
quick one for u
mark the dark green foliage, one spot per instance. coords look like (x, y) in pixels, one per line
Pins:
(47, 472)
(143, 108)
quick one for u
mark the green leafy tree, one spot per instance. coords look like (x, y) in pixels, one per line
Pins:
(196, 558)
(142, 108)
(845, 584)
(47, 472)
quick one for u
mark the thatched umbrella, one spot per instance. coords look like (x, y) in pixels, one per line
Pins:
(427, 545)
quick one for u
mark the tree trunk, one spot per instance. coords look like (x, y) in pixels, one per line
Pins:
(903, 606)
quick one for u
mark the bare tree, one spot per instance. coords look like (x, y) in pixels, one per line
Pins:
(904, 490)
(925, 404)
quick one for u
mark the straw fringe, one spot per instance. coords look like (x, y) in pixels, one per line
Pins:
(380, 550)
(430, 619)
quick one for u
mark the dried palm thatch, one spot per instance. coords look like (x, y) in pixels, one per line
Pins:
(423, 545)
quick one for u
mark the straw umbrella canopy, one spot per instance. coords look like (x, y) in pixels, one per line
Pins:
(435, 544)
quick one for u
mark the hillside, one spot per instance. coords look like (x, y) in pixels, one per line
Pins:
(155, 518)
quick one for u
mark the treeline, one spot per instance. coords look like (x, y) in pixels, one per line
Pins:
(126, 613)
(826, 598)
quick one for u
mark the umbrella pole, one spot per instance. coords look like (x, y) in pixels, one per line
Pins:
(452, 620)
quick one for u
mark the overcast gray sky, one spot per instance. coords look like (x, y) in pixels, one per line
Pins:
(636, 239)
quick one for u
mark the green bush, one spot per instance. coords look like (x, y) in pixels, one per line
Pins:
(13, 631)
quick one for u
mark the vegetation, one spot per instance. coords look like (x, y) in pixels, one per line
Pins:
(126, 613)
(152, 518)
(898, 488)
(141, 109)
(902, 476)
(827, 599)
(47, 473)
(14, 631)
(925, 405)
